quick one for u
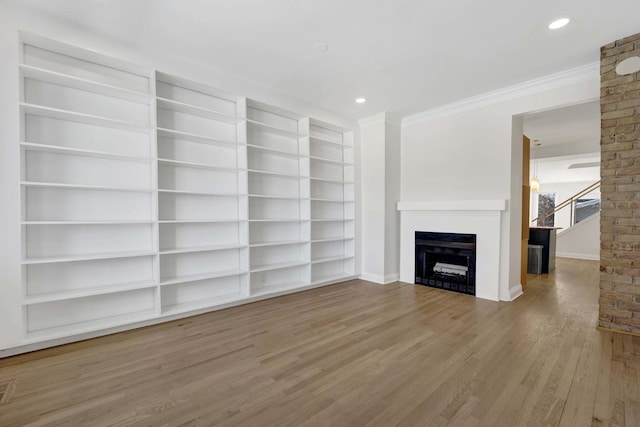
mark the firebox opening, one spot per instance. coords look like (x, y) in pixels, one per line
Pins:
(446, 261)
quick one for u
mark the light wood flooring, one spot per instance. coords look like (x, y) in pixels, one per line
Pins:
(352, 354)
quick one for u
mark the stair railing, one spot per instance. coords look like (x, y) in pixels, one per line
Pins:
(568, 202)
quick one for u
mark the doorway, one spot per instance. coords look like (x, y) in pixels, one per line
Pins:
(565, 160)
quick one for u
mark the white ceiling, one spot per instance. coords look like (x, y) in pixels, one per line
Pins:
(404, 56)
(569, 136)
(565, 131)
(578, 123)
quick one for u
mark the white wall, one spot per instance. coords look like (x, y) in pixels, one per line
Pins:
(10, 250)
(581, 241)
(372, 161)
(472, 150)
(380, 183)
(392, 197)
(11, 22)
(457, 157)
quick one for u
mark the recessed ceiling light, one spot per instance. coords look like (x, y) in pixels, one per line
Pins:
(361, 100)
(559, 23)
(321, 47)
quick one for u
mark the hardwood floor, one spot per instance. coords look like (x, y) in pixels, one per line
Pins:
(348, 355)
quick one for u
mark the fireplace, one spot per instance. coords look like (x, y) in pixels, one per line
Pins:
(446, 261)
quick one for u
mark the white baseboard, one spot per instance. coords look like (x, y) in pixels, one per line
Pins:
(369, 277)
(589, 257)
(378, 278)
(515, 291)
(390, 278)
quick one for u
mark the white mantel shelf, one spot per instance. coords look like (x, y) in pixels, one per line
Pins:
(454, 205)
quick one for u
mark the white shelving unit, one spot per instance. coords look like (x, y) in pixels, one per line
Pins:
(279, 230)
(202, 194)
(332, 202)
(147, 196)
(88, 224)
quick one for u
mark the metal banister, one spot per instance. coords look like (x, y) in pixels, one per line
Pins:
(569, 202)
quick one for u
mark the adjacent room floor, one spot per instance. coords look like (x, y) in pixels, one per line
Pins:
(347, 355)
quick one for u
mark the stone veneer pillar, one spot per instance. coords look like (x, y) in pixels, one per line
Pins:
(620, 171)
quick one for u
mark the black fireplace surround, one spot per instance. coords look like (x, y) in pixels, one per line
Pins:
(446, 261)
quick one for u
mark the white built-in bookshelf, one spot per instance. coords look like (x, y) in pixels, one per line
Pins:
(332, 202)
(202, 197)
(146, 196)
(278, 156)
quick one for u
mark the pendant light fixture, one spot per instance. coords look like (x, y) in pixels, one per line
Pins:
(535, 182)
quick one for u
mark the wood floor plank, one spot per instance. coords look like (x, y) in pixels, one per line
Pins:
(579, 408)
(350, 354)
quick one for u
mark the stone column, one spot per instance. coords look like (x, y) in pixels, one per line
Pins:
(620, 171)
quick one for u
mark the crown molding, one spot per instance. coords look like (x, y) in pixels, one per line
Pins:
(379, 118)
(553, 81)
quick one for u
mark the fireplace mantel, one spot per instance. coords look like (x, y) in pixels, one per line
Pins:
(453, 205)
